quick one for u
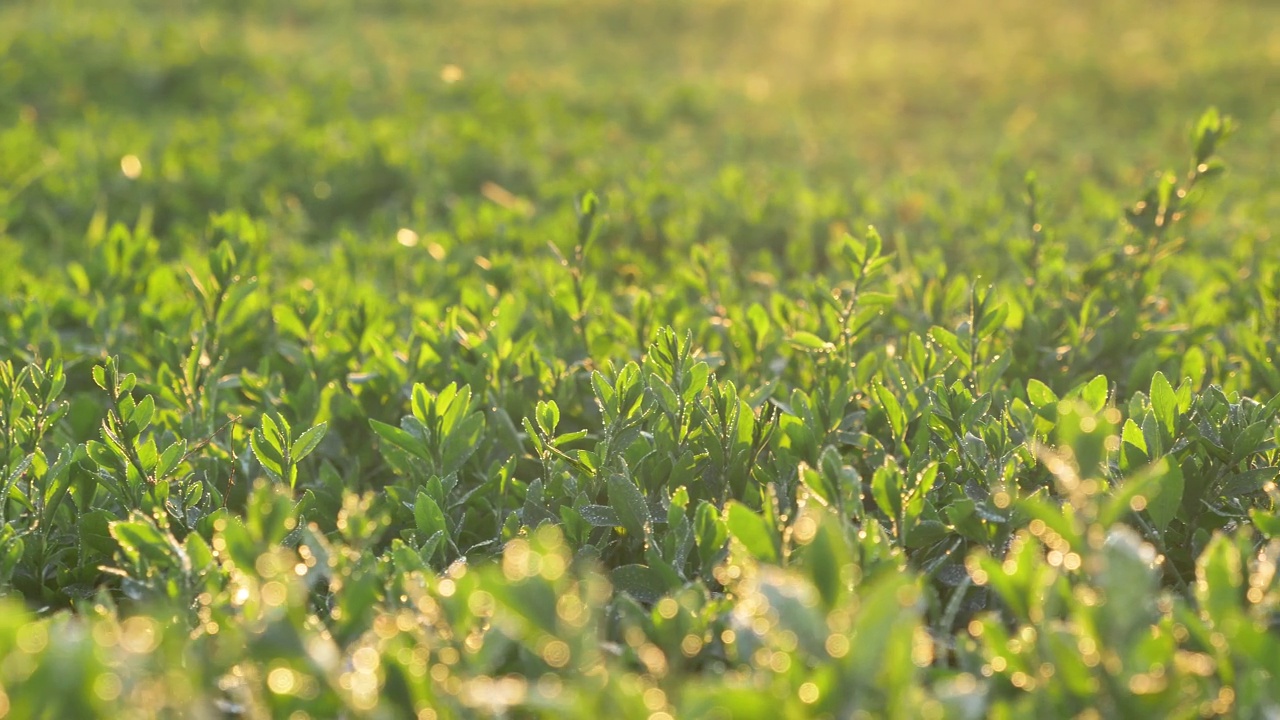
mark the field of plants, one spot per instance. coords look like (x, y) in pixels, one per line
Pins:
(643, 359)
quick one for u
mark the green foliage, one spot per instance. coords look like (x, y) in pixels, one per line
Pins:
(326, 390)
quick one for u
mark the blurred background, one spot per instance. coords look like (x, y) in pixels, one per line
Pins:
(322, 115)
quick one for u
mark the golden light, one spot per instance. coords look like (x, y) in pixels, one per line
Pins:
(451, 73)
(131, 166)
(407, 237)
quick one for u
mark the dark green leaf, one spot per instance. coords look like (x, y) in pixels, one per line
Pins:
(628, 502)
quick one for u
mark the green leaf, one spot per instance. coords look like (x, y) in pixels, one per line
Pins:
(1145, 490)
(148, 456)
(199, 552)
(710, 532)
(892, 409)
(267, 455)
(567, 438)
(1040, 395)
(826, 558)
(532, 434)
(1268, 523)
(432, 545)
(400, 439)
(1163, 504)
(722, 699)
(993, 321)
(962, 515)
(270, 432)
(639, 581)
(59, 478)
(869, 298)
(21, 467)
(1164, 402)
(751, 530)
(605, 394)
(170, 458)
(628, 502)
(548, 416)
(949, 342)
(428, 518)
(1219, 577)
(1249, 440)
(1132, 434)
(11, 552)
(141, 540)
(600, 516)
(1209, 131)
(1095, 392)
(807, 341)
(1248, 482)
(461, 442)
(308, 441)
(886, 624)
(818, 484)
(1129, 580)
(140, 419)
(886, 488)
(1133, 447)
(844, 481)
(421, 404)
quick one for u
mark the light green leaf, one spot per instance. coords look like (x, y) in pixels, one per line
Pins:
(751, 530)
(892, 409)
(807, 341)
(428, 518)
(1040, 394)
(1164, 402)
(1095, 393)
(949, 342)
(548, 416)
(267, 455)
(308, 441)
(270, 433)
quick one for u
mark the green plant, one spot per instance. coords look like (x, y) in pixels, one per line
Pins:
(361, 407)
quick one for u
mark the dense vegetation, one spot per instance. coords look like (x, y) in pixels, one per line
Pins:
(639, 359)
